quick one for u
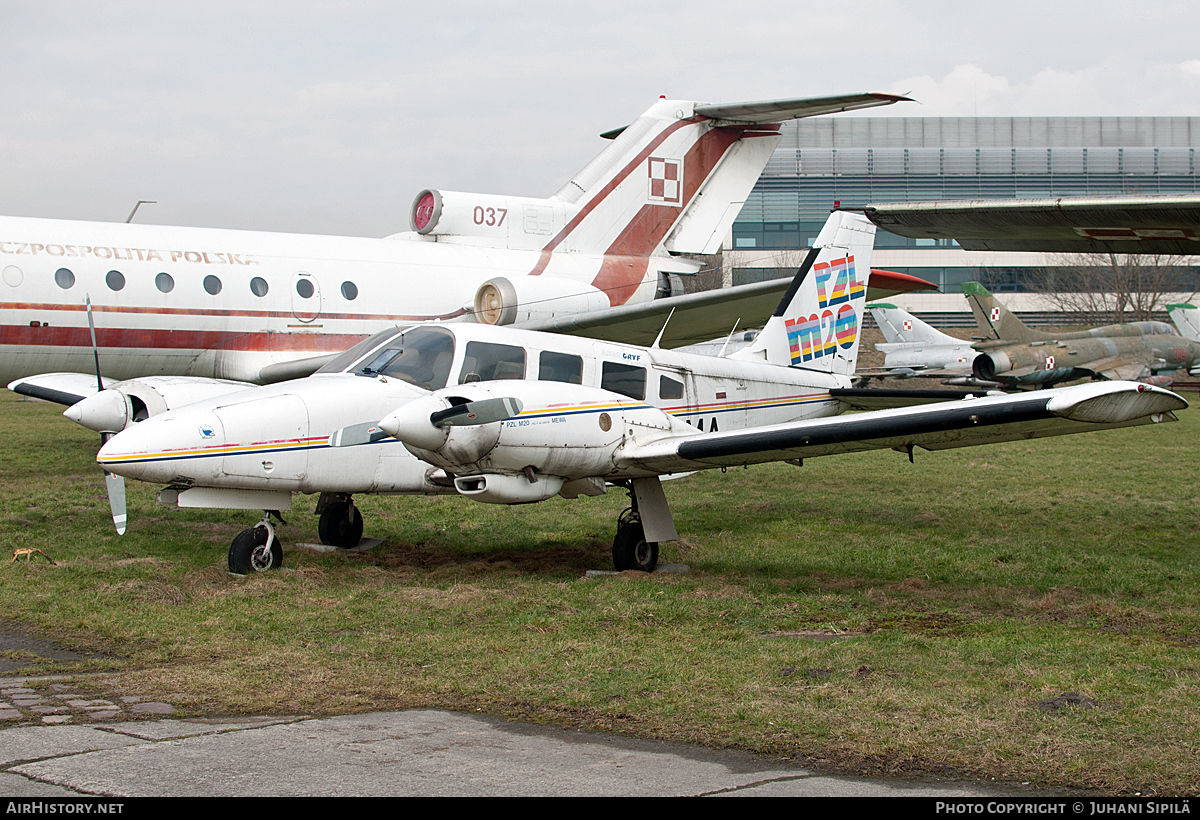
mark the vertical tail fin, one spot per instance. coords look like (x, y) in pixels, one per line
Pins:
(994, 319)
(900, 326)
(1186, 319)
(677, 176)
(818, 322)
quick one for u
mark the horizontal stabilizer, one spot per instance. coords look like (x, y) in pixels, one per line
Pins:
(699, 317)
(779, 110)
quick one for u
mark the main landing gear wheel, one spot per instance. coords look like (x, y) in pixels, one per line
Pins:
(249, 552)
(630, 548)
(341, 525)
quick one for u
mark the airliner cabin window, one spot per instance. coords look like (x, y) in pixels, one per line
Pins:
(560, 367)
(164, 282)
(64, 278)
(115, 280)
(212, 285)
(485, 361)
(626, 379)
(350, 291)
(258, 286)
(305, 288)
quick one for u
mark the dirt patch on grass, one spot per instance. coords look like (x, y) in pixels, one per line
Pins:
(544, 561)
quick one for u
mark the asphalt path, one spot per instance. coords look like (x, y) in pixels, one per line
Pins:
(409, 753)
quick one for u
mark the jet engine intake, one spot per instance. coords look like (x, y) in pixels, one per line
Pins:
(504, 221)
(502, 301)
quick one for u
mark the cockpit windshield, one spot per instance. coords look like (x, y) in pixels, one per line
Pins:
(349, 357)
(419, 355)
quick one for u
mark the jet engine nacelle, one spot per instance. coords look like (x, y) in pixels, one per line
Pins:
(503, 301)
(564, 432)
(987, 365)
(516, 221)
(121, 404)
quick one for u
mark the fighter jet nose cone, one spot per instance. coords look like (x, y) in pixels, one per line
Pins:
(104, 412)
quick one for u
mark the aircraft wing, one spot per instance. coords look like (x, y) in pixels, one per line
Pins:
(60, 388)
(879, 398)
(1122, 224)
(702, 316)
(966, 423)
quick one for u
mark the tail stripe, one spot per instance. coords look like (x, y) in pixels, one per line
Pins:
(595, 201)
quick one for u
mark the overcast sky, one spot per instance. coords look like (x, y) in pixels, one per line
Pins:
(329, 117)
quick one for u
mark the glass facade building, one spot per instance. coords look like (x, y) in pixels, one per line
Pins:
(854, 161)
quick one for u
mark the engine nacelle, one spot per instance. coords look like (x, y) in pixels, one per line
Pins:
(508, 489)
(500, 221)
(987, 365)
(503, 301)
(564, 432)
(121, 404)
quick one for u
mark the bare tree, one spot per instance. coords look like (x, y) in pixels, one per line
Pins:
(1113, 288)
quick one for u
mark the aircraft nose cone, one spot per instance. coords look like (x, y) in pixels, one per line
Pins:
(104, 412)
(162, 449)
(118, 455)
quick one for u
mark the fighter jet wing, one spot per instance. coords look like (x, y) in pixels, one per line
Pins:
(1122, 224)
(702, 316)
(970, 422)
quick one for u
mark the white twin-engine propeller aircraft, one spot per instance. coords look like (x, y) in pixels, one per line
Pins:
(594, 259)
(506, 416)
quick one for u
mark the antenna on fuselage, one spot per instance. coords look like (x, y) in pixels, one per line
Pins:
(139, 204)
(727, 338)
(658, 338)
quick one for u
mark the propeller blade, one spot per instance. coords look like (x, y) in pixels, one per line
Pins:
(356, 434)
(477, 412)
(116, 500)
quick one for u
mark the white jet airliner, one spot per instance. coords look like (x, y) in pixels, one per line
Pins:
(262, 307)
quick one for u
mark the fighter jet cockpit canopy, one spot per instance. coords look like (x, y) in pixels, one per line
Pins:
(418, 355)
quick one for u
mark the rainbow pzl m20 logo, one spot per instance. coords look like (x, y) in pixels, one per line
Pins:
(822, 333)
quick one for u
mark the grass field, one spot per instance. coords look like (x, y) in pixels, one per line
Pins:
(859, 613)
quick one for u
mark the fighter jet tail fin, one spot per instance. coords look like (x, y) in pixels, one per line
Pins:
(900, 326)
(994, 319)
(818, 323)
(1186, 319)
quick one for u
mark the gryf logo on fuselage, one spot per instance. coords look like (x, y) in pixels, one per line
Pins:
(821, 333)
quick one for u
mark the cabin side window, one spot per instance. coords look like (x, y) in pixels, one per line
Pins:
(560, 367)
(626, 379)
(669, 388)
(485, 361)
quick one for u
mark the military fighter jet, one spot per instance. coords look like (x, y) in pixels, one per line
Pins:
(1020, 356)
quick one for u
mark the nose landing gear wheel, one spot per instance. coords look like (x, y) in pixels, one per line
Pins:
(631, 550)
(250, 553)
(341, 525)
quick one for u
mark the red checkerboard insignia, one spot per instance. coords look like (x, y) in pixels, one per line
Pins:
(666, 181)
